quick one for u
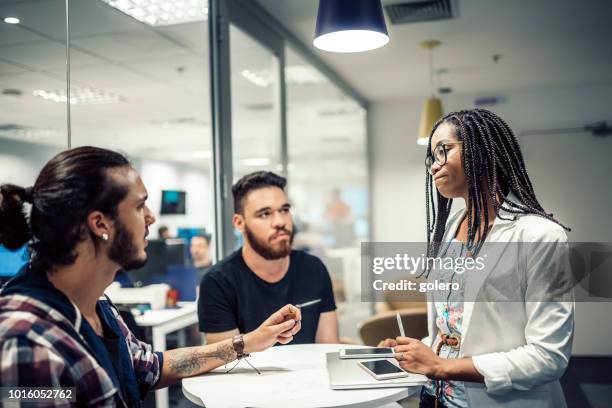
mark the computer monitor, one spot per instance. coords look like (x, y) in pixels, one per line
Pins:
(176, 252)
(161, 253)
(156, 262)
(12, 261)
(173, 202)
(187, 233)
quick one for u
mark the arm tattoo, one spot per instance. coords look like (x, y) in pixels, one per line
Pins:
(192, 360)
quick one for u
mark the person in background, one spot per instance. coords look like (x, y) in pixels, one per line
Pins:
(163, 232)
(337, 211)
(309, 241)
(237, 292)
(340, 223)
(89, 219)
(199, 248)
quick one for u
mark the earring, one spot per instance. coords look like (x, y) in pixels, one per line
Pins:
(105, 236)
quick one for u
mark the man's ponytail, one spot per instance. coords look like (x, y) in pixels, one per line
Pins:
(14, 229)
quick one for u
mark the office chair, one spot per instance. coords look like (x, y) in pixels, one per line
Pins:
(384, 325)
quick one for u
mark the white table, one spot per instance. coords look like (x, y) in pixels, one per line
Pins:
(292, 376)
(162, 322)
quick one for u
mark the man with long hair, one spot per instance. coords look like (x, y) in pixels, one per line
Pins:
(85, 219)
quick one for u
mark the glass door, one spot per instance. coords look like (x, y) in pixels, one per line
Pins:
(249, 121)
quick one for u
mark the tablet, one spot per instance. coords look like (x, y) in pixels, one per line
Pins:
(372, 352)
(382, 369)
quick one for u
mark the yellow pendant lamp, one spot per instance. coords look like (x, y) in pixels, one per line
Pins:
(432, 108)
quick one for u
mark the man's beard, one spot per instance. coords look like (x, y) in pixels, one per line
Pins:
(265, 250)
(123, 251)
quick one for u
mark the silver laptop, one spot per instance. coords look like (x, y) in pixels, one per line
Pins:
(345, 374)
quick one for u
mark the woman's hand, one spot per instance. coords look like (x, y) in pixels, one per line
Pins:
(279, 327)
(387, 343)
(416, 357)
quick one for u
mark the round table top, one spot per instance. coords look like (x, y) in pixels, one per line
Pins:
(291, 376)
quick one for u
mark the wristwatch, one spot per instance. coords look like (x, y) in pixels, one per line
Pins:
(238, 344)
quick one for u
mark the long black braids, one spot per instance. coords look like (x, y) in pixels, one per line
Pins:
(490, 153)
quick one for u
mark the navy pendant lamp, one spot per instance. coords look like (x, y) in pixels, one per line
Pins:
(350, 26)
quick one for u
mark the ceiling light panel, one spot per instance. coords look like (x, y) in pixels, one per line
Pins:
(303, 75)
(20, 132)
(294, 75)
(163, 12)
(261, 78)
(183, 123)
(79, 96)
(11, 20)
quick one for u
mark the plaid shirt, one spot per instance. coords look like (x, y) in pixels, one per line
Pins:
(36, 350)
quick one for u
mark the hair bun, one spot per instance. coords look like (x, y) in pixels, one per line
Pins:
(28, 196)
(14, 230)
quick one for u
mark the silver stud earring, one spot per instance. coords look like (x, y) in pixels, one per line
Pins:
(105, 236)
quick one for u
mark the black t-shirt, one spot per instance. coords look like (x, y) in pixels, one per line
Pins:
(201, 271)
(232, 296)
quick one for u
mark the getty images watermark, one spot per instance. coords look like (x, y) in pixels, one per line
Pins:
(419, 265)
(510, 271)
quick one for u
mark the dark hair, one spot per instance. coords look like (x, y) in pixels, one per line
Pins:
(492, 153)
(206, 236)
(70, 186)
(254, 181)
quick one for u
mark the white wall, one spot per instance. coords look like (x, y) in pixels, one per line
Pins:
(570, 172)
(21, 162)
(159, 175)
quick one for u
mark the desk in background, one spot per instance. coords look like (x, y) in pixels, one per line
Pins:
(162, 322)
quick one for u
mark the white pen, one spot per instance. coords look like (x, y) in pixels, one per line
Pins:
(309, 303)
(399, 323)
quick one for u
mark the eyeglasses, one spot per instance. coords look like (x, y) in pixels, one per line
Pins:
(440, 155)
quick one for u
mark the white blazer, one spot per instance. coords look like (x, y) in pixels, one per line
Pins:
(520, 348)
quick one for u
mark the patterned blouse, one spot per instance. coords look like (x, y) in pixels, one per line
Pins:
(449, 317)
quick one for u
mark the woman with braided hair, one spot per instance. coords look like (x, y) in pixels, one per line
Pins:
(488, 353)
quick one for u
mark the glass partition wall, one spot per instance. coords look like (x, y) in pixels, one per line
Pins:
(33, 114)
(145, 91)
(256, 128)
(291, 114)
(195, 102)
(328, 180)
(140, 80)
(32, 87)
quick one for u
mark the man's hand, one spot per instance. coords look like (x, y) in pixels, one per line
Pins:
(416, 357)
(279, 327)
(190, 361)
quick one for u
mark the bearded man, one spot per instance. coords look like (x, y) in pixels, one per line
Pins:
(238, 293)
